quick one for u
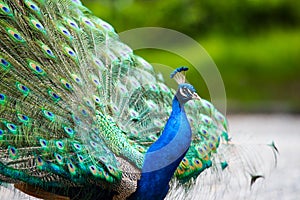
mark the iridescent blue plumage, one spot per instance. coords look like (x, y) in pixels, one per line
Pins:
(179, 69)
(164, 155)
(160, 164)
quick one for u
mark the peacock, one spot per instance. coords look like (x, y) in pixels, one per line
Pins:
(83, 117)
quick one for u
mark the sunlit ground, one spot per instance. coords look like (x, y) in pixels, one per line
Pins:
(283, 183)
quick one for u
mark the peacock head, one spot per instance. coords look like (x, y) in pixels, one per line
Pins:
(185, 90)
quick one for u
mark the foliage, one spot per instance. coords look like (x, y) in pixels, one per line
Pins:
(254, 43)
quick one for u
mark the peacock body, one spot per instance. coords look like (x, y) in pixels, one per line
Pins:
(79, 110)
(161, 160)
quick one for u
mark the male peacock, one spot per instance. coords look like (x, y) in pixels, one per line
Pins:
(78, 110)
(161, 160)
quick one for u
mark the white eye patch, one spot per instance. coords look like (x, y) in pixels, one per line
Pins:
(190, 92)
(183, 92)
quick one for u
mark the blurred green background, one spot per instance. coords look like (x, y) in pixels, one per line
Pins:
(254, 43)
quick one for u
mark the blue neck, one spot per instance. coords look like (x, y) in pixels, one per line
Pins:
(164, 156)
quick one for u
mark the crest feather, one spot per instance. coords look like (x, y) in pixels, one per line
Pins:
(179, 74)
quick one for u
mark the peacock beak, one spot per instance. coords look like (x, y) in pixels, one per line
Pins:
(196, 96)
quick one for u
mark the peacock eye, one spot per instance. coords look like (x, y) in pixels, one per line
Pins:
(5, 9)
(33, 7)
(2, 97)
(4, 62)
